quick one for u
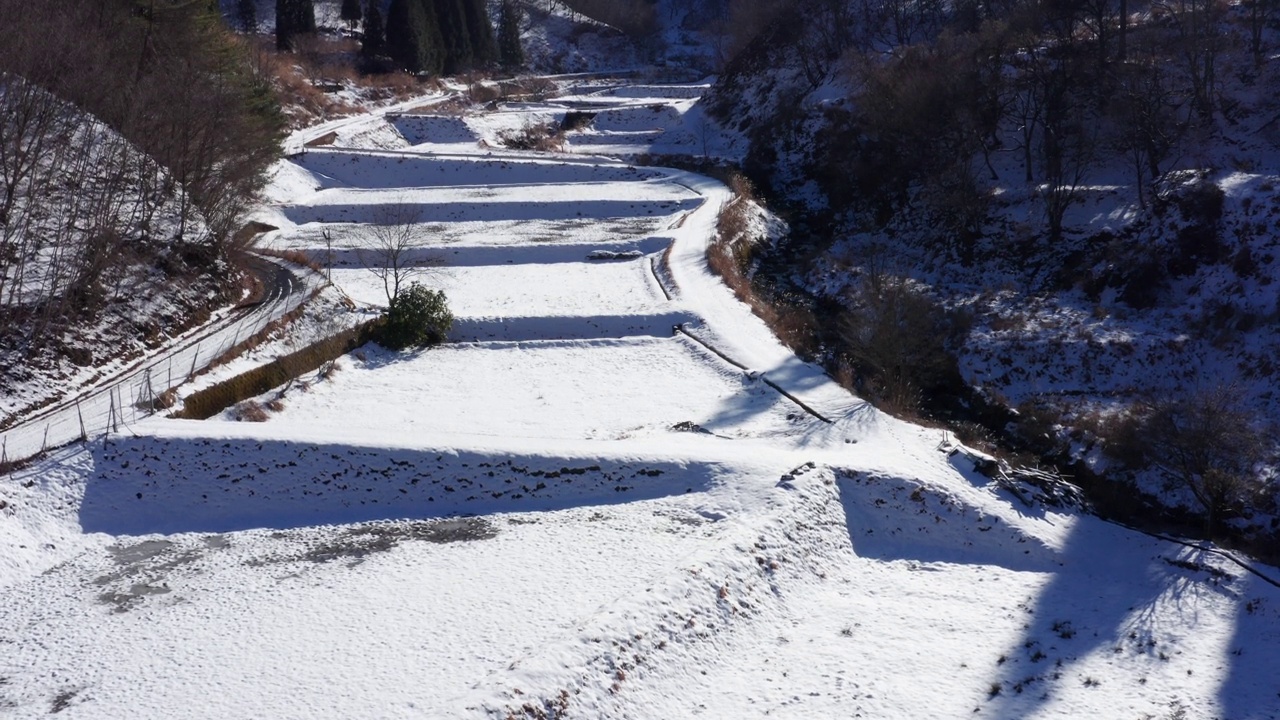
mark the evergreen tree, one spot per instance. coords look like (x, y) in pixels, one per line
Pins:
(453, 28)
(413, 36)
(247, 15)
(374, 40)
(351, 11)
(284, 24)
(510, 52)
(293, 18)
(483, 49)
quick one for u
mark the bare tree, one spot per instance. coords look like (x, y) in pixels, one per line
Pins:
(1065, 126)
(1261, 14)
(1199, 40)
(897, 337)
(391, 247)
(1208, 443)
(1145, 110)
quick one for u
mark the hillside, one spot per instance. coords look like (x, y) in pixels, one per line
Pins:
(569, 512)
(1087, 228)
(97, 265)
(125, 169)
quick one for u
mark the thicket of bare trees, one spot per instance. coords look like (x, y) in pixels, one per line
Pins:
(941, 86)
(636, 18)
(919, 122)
(1205, 442)
(131, 134)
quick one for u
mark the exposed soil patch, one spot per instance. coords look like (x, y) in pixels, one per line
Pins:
(357, 543)
(127, 600)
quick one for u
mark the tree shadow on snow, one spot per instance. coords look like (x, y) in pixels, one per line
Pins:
(1251, 689)
(889, 518)
(463, 211)
(760, 394)
(1121, 597)
(150, 485)
(1113, 596)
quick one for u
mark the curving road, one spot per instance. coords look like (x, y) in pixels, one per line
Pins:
(122, 398)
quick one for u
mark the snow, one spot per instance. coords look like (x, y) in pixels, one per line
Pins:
(628, 387)
(571, 512)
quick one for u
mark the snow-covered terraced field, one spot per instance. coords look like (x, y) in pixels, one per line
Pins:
(413, 613)
(529, 289)
(596, 201)
(571, 512)
(603, 389)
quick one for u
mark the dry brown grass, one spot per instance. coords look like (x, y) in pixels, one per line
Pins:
(297, 257)
(302, 79)
(730, 258)
(533, 88)
(250, 411)
(545, 137)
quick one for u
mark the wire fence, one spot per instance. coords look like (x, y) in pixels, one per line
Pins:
(138, 393)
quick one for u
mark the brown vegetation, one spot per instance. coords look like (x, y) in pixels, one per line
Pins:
(544, 137)
(1203, 441)
(730, 258)
(129, 143)
(213, 400)
(898, 340)
(306, 81)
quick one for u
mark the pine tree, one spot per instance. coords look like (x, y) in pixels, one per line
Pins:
(510, 52)
(351, 11)
(247, 15)
(293, 18)
(483, 49)
(413, 36)
(374, 40)
(453, 28)
(284, 24)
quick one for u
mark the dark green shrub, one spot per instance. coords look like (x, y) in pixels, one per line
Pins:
(418, 317)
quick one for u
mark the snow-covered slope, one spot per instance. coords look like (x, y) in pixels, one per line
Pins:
(595, 519)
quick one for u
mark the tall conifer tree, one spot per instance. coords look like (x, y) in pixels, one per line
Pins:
(457, 41)
(293, 18)
(483, 49)
(413, 36)
(247, 15)
(510, 52)
(351, 11)
(374, 39)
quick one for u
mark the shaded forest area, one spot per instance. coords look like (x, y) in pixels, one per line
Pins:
(132, 134)
(423, 37)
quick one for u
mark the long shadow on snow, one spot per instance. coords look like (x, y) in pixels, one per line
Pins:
(419, 129)
(160, 485)
(796, 377)
(1117, 595)
(470, 211)
(404, 170)
(560, 327)
(485, 256)
(1110, 591)
(1251, 690)
(890, 518)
